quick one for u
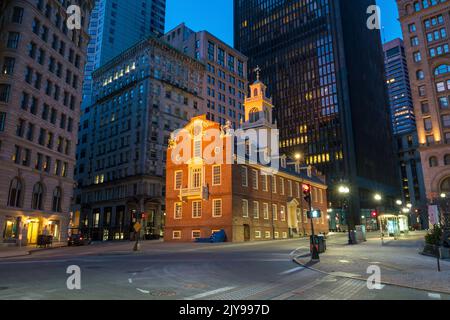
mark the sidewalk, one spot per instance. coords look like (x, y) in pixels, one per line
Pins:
(11, 252)
(400, 262)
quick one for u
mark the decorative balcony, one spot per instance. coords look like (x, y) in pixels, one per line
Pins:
(192, 193)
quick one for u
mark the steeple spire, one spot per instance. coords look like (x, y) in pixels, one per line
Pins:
(257, 70)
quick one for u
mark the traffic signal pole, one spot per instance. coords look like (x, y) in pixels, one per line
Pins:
(307, 196)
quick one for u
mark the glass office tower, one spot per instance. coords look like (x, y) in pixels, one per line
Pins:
(115, 26)
(325, 72)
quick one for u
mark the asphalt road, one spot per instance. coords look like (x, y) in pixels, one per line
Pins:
(254, 271)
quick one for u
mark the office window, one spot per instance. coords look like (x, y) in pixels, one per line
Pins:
(13, 40)
(244, 176)
(178, 210)
(17, 16)
(217, 208)
(217, 175)
(244, 208)
(8, 65)
(266, 211)
(256, 209)
(178, 180)
(196, 209)
(5, 91)
(255, 179)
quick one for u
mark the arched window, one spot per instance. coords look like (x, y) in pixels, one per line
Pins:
(38, 195)
(420, 75)
(15, 193)
(254, 115)
(445, 186)
(56, 203)
(434, 162)
(255, 92)
(442, 69)
(447, 159)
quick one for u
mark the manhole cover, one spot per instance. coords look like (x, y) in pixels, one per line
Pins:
(163, 293)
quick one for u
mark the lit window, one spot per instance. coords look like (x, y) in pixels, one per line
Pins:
(217, 175)
(178, 213)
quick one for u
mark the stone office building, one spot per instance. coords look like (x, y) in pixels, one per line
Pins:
(426, 27)
(249, 201)
(140, 97)
(42, 65)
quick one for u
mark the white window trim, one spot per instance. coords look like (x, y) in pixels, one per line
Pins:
(214, 208)
(194, 217)
(255, 178)
(274, 184)
(282, 186)
(255, 206)
(195, 231)
(220, 175)
(175, 211)
(175, 180)
(176, 237)
(244, 170)
(265, 182)
(283, 213)
(257, 234)
(267, 235)
(275, 210)
(244, 214)
(266, 206)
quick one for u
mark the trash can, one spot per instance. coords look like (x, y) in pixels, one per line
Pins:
(319, 242)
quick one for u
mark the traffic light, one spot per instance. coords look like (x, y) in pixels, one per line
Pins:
(306, 192)
(314, 214)
(374, 214)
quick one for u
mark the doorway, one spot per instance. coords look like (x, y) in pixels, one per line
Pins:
(33, 230)
(246, 232)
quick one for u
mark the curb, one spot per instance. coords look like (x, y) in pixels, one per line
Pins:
(31, 251)
(296, 260)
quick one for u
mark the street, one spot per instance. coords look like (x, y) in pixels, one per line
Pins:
(255, 271)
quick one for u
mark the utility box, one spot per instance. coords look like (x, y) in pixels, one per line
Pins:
(361, 235)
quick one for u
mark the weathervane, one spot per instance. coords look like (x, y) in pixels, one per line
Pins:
(257, 70)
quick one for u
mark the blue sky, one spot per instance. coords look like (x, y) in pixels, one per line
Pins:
(216, 16)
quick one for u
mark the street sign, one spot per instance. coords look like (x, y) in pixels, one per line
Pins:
(137, 227)
(314, 214)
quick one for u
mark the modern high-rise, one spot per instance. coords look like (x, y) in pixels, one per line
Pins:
(141, 97)
(115, 26)
(226, 74)
(405, 131)
(426, 27)
(42, 64)
(324, 69)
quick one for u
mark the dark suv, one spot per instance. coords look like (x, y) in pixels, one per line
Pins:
(76, 238)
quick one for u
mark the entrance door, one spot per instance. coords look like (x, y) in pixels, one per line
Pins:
(33, 229)
(246, 232)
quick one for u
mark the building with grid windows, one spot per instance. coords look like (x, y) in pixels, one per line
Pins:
(141, 96)
(42, 65)
(405, 131)
(115, 26)
(425, 26)
(226, 74)
(324, 69)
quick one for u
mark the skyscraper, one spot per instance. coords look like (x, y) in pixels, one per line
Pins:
(324, 69)
(425, 26)
(404, 128)
(117, 25)
(40, 94)
(224, 90)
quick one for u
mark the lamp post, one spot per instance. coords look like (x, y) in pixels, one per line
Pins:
(344, 191)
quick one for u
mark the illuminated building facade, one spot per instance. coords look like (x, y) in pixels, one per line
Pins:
(404, 128)
(141, 96)
(324, 69)
(247, 200)
(426, 26)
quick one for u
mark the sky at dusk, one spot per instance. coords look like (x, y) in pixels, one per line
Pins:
(216, 16)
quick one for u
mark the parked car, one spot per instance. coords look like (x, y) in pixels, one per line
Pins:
(76, 238)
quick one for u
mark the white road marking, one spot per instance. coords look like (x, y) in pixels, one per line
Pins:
(130, 280)
(209, 293)
(344, 261)
(436, 296)
(291, 271)
(143, 291)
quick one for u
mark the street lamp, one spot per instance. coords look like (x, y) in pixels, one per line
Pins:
(399, 203)
(378, 197)
(344, 191)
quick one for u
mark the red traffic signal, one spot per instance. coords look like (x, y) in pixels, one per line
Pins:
(374, 214)
(306, 189)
